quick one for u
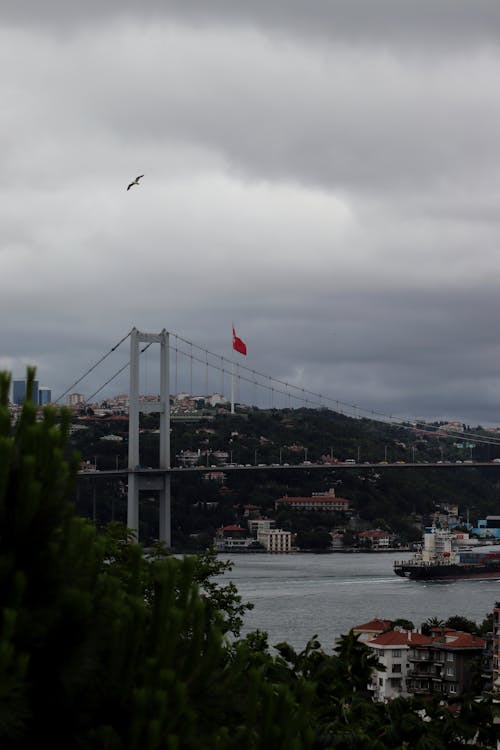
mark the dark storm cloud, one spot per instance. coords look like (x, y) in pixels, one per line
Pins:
(455, 22)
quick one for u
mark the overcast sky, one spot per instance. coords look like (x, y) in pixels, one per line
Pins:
(326, 175)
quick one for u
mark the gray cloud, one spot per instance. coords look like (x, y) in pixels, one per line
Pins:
(327, 177)
(396, 21)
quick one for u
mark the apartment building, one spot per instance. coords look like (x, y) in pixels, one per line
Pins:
(447, 665)
(392, 649)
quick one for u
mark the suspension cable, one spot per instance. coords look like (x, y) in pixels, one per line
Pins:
(91, 368)
(305, 396)
(118, 372)
(315, 399)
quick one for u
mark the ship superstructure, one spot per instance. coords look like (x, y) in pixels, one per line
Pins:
(440, 557)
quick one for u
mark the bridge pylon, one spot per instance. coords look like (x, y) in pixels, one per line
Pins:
(138, 481)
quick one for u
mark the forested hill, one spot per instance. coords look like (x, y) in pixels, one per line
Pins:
(399, 499)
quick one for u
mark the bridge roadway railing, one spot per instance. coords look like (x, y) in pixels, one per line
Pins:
(145, 471)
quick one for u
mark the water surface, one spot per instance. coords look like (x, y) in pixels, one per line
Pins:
(300, 595)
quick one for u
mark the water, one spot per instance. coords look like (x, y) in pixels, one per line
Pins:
(300, 595)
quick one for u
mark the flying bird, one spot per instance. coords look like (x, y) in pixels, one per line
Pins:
(135, 182)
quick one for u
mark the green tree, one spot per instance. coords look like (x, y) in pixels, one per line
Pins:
(457, 622)
(430, 623)
(357, 662)
(317, 539)
(103, 648)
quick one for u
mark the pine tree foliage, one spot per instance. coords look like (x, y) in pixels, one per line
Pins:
(100, 648)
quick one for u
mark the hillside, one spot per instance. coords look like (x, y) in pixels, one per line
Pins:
(393, 499)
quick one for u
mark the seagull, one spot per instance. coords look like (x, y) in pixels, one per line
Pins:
(135, 182)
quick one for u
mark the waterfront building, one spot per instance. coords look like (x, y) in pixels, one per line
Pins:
(377, 539)
(258, 526)
(233, 538)
(276, 540)
(337, 538)
(234, 544)
(488, 527)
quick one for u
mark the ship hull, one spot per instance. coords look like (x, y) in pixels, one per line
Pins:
(453, 572)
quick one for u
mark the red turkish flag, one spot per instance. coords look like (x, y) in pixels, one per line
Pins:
(238, 344)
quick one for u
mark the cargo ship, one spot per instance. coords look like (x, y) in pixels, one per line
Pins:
(440, 559)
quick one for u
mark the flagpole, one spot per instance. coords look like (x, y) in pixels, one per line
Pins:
(239, 346)
(232, 386)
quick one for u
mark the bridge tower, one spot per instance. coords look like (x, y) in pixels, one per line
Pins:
(137, 479)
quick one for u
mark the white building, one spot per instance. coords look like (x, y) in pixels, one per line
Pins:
(229, 544)
(232, 537)
(276, 540)
(216, 399)
(392, 650)
(75, 399)
(260, 525)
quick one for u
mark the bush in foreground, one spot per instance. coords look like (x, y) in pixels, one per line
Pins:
(101, 648)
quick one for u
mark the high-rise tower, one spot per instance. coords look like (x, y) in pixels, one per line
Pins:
(19, 391)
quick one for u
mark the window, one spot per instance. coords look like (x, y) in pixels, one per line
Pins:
(450, 671)
(452, 688)
(396, 667)
(396, 652)
(450, 657)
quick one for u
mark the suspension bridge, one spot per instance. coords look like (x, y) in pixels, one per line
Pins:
(277, 393)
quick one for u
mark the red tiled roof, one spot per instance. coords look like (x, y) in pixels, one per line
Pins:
(400, 638)
(233, 527)
(375, 624)
(459, 640)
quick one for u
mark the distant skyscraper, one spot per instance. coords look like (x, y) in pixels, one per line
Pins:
(44, 395)
(19, 391)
